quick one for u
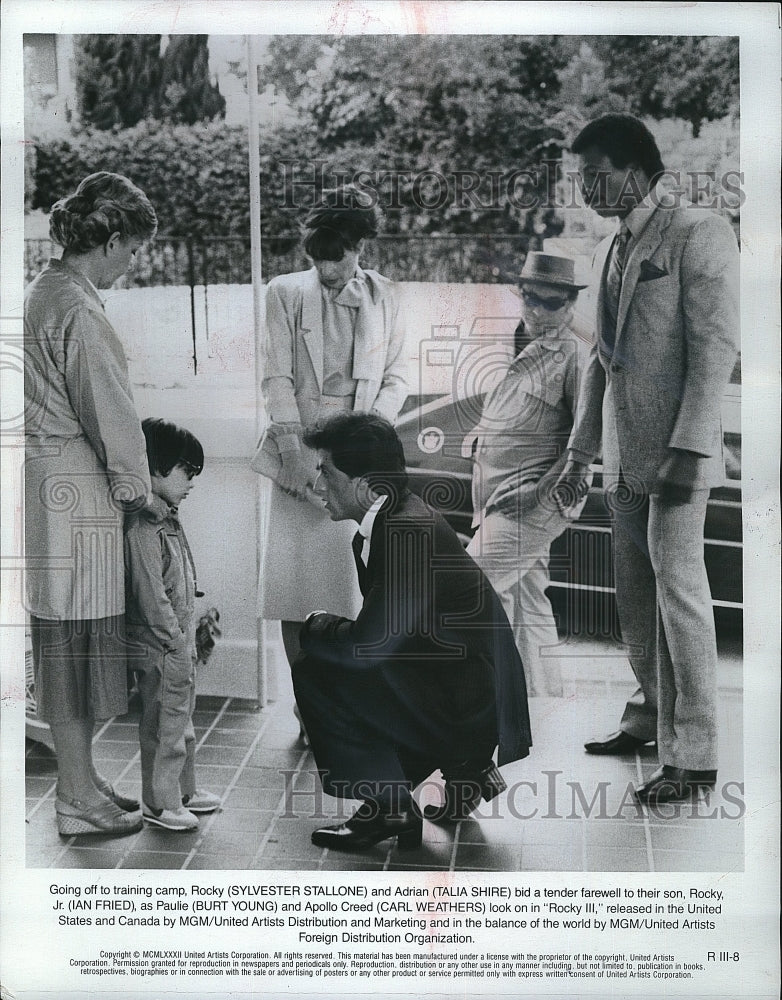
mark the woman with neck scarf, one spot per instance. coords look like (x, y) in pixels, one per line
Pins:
(334, 341)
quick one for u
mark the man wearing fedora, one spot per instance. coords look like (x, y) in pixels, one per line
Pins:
(518, 450)
(667, 326)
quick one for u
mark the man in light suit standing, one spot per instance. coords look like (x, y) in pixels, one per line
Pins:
(667, 329)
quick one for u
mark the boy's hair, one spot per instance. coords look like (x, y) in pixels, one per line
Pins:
(169, 445)
(362, 444)
(624, 139)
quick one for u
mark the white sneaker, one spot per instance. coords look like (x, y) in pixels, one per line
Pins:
(201, 801)
(171, 819)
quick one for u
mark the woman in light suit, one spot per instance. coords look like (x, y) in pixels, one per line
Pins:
(334, 341)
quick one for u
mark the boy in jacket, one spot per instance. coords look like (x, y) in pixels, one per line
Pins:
(160, 619)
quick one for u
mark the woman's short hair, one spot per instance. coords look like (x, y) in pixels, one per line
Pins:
(362, 445)
(624, 139)
(169, 445)
(345, 216)
(102, 204)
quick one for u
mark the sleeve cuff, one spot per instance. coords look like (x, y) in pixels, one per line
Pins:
(287, 436)
(288, 442)
(579, 456)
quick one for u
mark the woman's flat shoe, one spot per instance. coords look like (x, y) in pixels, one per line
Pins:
(75, 817)
(127, 805)
(464, 791)
(368, 827)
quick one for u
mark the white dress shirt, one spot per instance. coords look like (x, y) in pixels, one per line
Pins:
(366, 526)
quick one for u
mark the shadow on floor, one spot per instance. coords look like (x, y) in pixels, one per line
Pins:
(563, 810)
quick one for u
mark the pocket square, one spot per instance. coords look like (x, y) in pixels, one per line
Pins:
(650, 271)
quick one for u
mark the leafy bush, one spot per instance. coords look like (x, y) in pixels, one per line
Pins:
(194, 175)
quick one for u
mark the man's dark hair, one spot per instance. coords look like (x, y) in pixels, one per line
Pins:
(624, 139)
(362, 444)
(169, 445)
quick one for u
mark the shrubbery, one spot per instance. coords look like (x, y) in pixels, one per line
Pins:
(196, 176)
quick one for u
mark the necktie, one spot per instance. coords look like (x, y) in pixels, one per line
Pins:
(358, 545)
(613, 287)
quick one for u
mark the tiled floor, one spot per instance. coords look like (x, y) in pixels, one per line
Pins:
(563, 811)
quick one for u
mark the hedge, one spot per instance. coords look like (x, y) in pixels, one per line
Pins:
(196, 176)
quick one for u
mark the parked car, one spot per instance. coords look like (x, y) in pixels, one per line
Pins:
(582, 585)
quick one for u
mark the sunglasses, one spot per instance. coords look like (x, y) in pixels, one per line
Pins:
(533, 299)
(191, 470)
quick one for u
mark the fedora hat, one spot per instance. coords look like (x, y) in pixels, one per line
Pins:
(550, 269)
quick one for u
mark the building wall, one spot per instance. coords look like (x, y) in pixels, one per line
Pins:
(50, 94)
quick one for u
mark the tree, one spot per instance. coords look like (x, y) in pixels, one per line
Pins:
(436, 123)
(293, 61)
(188, 95)
(123, 79)
(691, 77)
(456, 134)
(117, 79)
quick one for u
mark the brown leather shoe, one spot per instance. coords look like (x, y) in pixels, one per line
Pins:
(618, 743)
(674, 784)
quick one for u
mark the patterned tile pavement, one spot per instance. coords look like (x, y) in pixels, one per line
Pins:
(564, 810)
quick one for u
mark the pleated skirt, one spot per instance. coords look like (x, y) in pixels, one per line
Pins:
(80, 668)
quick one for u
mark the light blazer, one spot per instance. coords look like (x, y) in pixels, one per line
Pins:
(676, 341)
(293, 357)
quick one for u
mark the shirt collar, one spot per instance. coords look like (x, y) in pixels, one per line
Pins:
(553, 341)
(636, 220)
(61, 265)
(93, 287)
(156, 509)
(368, 520)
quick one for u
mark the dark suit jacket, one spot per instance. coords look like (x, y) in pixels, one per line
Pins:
(432, 627)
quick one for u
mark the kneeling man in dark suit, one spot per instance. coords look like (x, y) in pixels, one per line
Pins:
(428, 675)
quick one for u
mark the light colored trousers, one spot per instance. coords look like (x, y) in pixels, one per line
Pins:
(665, 613)
(514, 555)
(166, 734)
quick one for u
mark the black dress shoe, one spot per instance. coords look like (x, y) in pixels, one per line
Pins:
(464, 790)
(617, 743)
(674, 784)
(368, 826)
